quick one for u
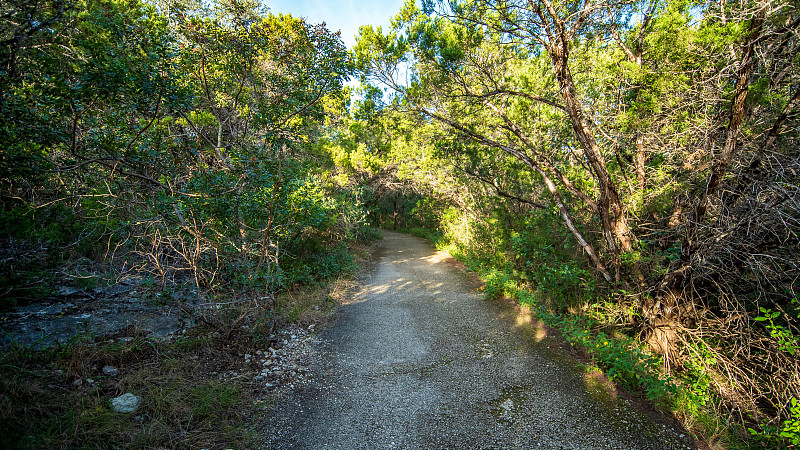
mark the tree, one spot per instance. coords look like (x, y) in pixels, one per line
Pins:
(647, 125)
(180, 138)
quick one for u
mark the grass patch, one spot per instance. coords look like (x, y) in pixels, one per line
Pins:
(59, 398)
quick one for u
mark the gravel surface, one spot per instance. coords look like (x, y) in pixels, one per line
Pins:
(417, 360)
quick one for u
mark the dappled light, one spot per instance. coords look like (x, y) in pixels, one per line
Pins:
(622, 177)
(598, 385)
(437, 257)
(525, 318)
(438, 367)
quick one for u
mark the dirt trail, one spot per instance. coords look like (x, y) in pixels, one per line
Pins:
(418, 360)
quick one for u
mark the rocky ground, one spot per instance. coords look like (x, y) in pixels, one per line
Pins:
(117, 310)
(130, 366)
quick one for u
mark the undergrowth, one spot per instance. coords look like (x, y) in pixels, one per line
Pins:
(60, 397)
(192, 393)
(562, 296)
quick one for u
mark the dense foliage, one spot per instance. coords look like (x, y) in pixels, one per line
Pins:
(174, 142)
(627, 169)
(640, 157)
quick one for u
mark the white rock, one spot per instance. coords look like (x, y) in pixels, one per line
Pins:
(126, 403)
(110, 371)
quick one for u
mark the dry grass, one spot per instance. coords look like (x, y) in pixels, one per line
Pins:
(48, 400)
(193, 389)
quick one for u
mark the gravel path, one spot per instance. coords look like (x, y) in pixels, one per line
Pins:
(419, 361)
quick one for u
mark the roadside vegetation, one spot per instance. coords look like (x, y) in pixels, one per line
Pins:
(173, 144)
(629, 171)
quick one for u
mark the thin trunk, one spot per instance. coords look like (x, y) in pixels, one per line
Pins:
(616, 232)
(641, 158)
(541, 160)
(749, 175)
(674, 286)
(720, 166)
(240, 222)
(394, 210)
(551, 187)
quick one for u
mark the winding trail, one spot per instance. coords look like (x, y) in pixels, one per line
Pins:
(418, 360)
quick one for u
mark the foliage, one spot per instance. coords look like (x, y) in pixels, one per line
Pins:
(790, 429)
(173, 142)
(631, 162)
(630, 165)
(786, 341)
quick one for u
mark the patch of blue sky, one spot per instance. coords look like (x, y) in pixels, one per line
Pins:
(346, 16)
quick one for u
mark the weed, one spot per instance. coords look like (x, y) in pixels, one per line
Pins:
(790, 429)
(786, 341)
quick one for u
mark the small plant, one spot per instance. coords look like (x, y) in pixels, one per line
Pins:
(787, 342)
(498, 284)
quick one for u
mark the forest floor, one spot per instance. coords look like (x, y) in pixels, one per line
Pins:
(64, 358)
(417, 359)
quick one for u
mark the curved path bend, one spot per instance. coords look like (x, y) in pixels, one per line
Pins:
(418, 360)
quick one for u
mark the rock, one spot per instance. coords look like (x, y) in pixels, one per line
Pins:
(67, 290)
(125, 403)
(110, 371)
(260, 377)
(114, 290)
(78, 382)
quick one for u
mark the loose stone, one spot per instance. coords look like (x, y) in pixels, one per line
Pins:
(126, 403)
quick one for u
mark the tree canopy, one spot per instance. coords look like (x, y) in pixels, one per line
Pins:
(635, 164)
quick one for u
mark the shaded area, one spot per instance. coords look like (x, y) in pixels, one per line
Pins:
(419, 360)
(118, 310)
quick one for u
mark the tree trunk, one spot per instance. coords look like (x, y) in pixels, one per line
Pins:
(551, 187)
(616, 232)
(720, 166)
(673, 289)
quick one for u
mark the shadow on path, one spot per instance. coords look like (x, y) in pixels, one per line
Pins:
(417, 360)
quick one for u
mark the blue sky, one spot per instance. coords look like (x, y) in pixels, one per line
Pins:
(344, 15)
